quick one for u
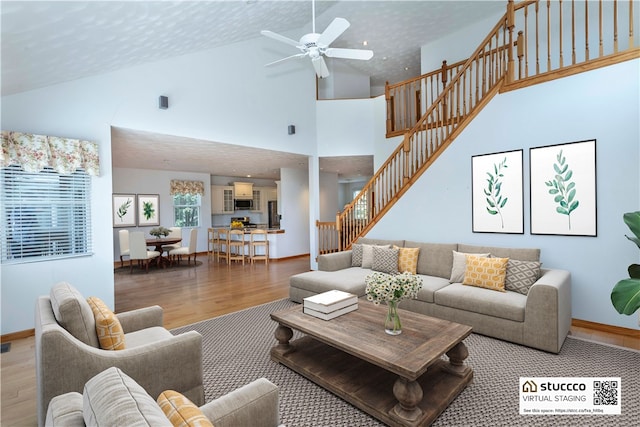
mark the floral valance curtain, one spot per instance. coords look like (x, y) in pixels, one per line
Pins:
(35, 152)
(187, 187)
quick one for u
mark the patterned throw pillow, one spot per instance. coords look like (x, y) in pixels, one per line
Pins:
(407, 259)
(385, 260)
(356, 255)
(181, 411)
(367, 254)
(521, 275)
(108, 327)
(486, 272)
(460, 266)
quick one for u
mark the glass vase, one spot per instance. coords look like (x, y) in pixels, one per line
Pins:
(392, 324)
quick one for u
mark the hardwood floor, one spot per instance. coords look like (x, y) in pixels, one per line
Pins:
(188, 295)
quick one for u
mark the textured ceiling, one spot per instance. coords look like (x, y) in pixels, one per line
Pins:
(49, 42)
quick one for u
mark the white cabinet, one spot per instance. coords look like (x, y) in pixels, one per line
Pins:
(258, 197)
(243, 190)
(271, 193)
(221, 199)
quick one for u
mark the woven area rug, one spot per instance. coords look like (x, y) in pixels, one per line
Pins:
(236, 351)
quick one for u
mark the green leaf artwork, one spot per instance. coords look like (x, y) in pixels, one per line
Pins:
(562, 189)
(494, 198)
(147, 210)
(123, 209)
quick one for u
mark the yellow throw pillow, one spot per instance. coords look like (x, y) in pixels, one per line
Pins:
(407, 259)
(108, 327)
(485, 272)
(181, 411)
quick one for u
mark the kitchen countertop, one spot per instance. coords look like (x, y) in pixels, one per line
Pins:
(248, 230)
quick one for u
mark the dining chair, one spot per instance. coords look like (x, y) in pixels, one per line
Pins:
(186, 250)
(223, 242)
(175, 232)
(138, 250)
(236, 246)
(258, 239)
(123, 237)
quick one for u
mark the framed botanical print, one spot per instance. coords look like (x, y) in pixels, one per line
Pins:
(497, 188)
(148, 210)
(124, 210)
(563, 189)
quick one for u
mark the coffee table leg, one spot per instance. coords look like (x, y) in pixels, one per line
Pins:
(457, 356)
(409, 394)
(283, 334)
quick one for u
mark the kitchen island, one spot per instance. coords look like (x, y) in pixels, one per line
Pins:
(276, 237)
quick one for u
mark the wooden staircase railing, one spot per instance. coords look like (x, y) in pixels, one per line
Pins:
(500, 63)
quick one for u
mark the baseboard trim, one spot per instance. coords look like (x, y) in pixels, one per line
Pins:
(601, 327)
(17, 335)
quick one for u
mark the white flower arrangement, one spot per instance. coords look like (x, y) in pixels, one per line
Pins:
(388, 287)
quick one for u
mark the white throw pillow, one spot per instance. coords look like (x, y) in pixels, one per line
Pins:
(460, 266)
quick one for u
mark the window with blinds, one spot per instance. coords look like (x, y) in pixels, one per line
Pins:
(45, 215)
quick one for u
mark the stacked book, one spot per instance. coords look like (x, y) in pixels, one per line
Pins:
(329, 305)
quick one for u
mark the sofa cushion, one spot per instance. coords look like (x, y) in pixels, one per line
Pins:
(521, 275)
(146, 336)
(486, 272)
(385, 260)
(348, 280)
(460, 265)
(73, 313)
(408, 259)
(65, 410)
(505, 305)
(181, 411)
(512, 253)
(112, 398)
(108, 327)
(430, 284)
(380, 242)
(434, 259)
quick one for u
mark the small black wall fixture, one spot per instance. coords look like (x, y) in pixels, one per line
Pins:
(292, 129)
(163, 102)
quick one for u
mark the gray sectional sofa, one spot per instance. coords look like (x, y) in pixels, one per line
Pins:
(540, 319)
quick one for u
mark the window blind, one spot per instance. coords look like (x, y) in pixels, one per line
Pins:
(45, 215)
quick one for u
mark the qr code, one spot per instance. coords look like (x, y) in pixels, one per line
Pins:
(605, 392)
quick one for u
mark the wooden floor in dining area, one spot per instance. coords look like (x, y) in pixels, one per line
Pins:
(187, 295)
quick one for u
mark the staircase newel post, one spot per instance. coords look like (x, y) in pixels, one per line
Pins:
(443, 74)
(406, 147)
(511, 19)
(339, 231)
(387, 97)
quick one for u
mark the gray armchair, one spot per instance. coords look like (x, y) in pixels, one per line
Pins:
(68, 352)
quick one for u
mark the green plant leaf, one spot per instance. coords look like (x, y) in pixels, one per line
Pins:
(504, 202)
(625, 296)
(634, 271)
(490, 203)
(632, 219)
(562, 210)
(492, 212)
(573, 206)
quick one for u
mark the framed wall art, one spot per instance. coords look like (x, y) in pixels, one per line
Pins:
(496, 189)
(124, 210)
(148, 210)
(563, 189)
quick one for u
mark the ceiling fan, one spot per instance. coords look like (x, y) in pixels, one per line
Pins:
(315, 45)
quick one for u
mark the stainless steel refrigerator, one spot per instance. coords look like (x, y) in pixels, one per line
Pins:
(274, 218)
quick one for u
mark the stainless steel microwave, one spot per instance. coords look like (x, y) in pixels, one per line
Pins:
(243, 205)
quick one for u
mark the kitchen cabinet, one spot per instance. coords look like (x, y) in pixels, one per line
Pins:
(243, 190)
(271, 193)
(257, 200)
(221, 199)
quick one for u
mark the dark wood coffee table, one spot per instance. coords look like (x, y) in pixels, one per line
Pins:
(401, 380)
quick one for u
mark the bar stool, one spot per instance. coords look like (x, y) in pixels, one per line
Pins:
(236, 245)
(258, 238)
(212, 235)
(223, 242)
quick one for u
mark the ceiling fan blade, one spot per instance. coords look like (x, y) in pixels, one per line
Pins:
(284, 59)
(280, 38)
(362, 54)
(321, 67)
(333, 31)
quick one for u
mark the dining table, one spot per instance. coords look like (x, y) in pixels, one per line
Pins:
(158, 243)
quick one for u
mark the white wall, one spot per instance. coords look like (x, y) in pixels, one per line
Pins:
(329, 200)
(212, 95)
(345, 127)
(343, 82)
(294, 201)
(601, 105)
